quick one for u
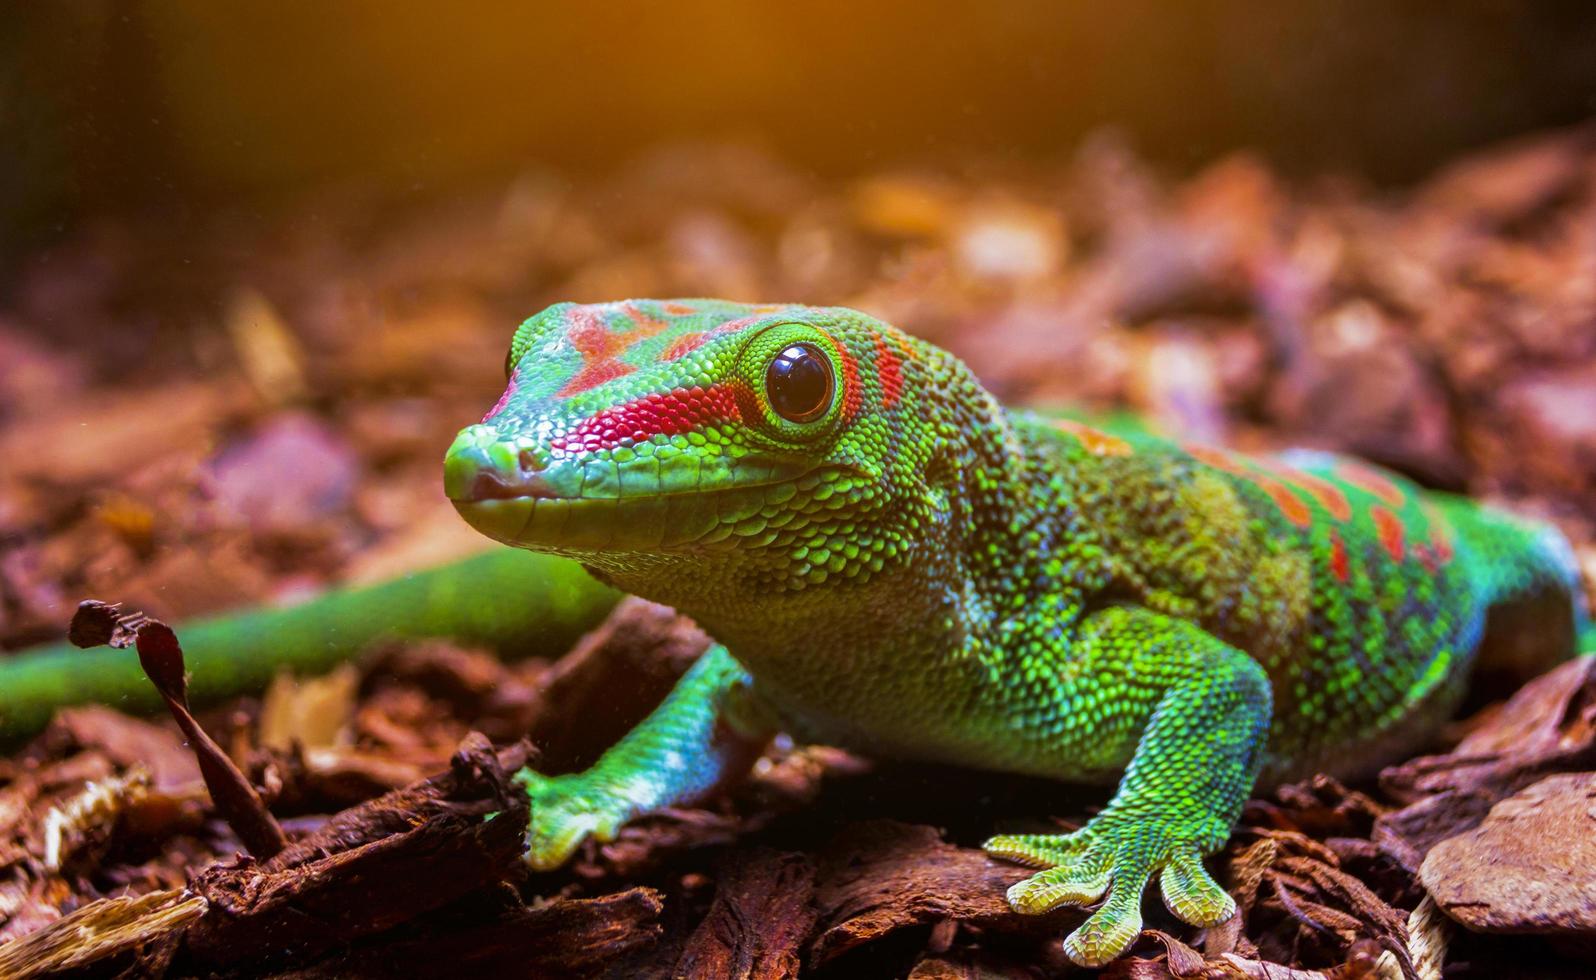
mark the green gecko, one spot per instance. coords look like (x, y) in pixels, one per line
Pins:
(892, 562)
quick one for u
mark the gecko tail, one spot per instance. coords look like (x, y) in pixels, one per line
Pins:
(1531, 582)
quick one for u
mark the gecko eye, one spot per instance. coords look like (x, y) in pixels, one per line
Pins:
(799, 383)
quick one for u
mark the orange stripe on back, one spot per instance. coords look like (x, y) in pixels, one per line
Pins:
(1217, 458)
(1389, 527)
(1289, 503)
(1095, 441)
(1326, 493)
(1436, 551)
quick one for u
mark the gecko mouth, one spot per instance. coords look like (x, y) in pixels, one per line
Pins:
(653, 522)
(592, 506)
(575, 506)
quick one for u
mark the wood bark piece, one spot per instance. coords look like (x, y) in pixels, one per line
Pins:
(1529, 867)
(881, 876)
(135, 936)
(369, 869)
(763, 912)
(1549, 726)
(972, 966)
(568, 938)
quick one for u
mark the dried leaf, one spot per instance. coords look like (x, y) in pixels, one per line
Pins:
(309, 712)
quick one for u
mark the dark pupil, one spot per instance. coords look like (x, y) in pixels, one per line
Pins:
(799, 383)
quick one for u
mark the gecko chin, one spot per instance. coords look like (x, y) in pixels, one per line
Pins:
(565, 525)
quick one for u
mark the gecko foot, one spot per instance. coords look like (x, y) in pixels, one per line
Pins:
(1116, 860)
(567, 810)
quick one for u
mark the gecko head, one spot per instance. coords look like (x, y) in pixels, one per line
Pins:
(695, 427)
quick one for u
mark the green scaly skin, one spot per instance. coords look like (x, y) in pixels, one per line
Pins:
(914, 571)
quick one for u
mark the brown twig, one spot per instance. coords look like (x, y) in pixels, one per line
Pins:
(161, 657)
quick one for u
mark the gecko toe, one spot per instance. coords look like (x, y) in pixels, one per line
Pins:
(1191, 893)
(1079, 883)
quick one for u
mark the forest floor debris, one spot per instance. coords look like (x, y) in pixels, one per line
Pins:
(1448, 331)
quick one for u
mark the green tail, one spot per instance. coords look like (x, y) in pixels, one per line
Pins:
(1529, 565)
(513, 601)
(1514, 557)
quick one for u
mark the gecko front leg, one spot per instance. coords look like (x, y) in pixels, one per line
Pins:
(1192, 766)
(706, 730)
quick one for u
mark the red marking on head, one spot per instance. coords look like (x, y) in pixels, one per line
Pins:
(645, 324)
(678, 309)
(733, 326)
(601, 347)
(1339, 566)
(1371, 481)
(852, 398)
(1389, 528)
(594, 375)
(889, 370)
(1289, 503)
(1095, 441)
(681, 346)
(589, 334)
(662, 413)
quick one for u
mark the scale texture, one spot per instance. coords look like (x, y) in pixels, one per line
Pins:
(893, 562)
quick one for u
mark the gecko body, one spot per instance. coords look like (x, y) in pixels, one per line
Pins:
(891, 561)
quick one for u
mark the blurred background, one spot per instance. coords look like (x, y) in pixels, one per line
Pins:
(261, 259)
(123, 105)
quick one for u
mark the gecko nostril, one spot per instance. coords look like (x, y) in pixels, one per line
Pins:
(534, 460)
